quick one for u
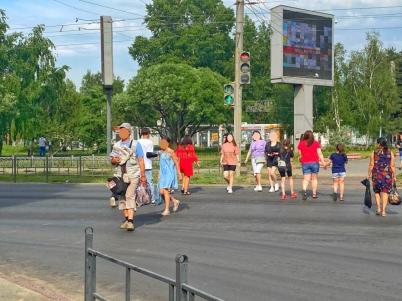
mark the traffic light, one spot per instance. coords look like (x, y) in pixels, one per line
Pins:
(228, 94)
(244, 68)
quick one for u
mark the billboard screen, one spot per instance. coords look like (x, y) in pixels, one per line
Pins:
(302, 47)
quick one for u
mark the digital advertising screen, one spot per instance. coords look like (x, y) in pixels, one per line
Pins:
(302, 46)
(307, 45)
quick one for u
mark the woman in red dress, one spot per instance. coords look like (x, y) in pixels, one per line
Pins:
(187, 156)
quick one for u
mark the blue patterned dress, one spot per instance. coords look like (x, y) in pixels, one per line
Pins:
(382, 173)
(167, 172)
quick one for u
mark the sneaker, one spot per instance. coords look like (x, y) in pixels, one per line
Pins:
(294, 195)
(304, 195)
(230, 190)
(112, 202)
(272, 189)
(284, 197)
(334, 197)
(130, 226)
(258, 188)
(276, 186)
(227, 188)
(124, 225)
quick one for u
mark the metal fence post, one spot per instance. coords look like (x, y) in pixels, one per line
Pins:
(89, 289)
(80, 165)
(47, 168)
(14, 168)
(181, 277)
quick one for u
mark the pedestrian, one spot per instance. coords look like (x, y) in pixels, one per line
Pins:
(285, 169)
(187, 157)
(310, 157)
(383, 174)
(42, 146)
(257, 153)
(272, 149)
(168, 171)
(229, 160)
(399, 147)
(129, 166)
(338, 162)
(148, 147)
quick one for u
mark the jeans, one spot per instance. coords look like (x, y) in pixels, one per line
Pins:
(42, 151)
(148, 175)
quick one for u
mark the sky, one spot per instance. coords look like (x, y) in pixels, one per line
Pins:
(78, 45)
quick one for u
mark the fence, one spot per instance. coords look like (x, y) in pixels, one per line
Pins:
(88, 166)
(177, 290)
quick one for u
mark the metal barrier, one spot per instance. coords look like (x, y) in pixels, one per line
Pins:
(178, 289)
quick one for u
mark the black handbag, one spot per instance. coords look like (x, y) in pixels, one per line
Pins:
(117, 185)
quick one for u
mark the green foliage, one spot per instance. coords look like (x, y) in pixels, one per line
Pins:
(187, 31)
(341, 136)
(173, 98)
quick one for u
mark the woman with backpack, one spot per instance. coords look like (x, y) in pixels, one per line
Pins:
(187, 156)
(383, 174)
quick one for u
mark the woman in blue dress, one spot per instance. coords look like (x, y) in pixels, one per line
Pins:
(169, 171)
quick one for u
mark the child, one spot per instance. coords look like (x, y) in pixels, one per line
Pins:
(169, 169)
(285, 169)
(338, 160)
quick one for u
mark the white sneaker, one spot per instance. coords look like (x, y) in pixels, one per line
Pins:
(112, 202)
(276, 187)
(258, 188)
(272, 189)
(230, 190)
(227, 188)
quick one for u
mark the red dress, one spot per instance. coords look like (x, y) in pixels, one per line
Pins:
(187, 157)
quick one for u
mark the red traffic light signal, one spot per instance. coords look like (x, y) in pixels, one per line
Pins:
(245, 72)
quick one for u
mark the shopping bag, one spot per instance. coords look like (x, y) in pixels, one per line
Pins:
(367, 195)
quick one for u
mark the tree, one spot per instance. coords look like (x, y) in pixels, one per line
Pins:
(193, 32)
(175, 98)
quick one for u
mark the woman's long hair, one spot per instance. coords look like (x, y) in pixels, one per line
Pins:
(186, 140)
(286, 143)
(308, 137)
(233, 141)
(340, 148)
(382, 142)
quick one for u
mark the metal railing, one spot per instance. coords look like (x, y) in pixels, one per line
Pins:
(177, 290)
(88, 166)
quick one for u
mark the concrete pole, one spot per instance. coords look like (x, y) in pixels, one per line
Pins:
(303, 110)
(237, 86)
(109, 92)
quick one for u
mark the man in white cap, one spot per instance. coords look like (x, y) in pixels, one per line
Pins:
(130, 167)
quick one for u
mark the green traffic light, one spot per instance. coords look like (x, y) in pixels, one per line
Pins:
(229, 99)
(228, 89)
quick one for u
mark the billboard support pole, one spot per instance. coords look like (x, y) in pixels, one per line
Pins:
(237, 86)
(303, 110)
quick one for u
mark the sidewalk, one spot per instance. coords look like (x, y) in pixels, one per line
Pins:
(13, 292)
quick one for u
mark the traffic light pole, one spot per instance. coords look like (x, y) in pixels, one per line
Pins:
(237, 86)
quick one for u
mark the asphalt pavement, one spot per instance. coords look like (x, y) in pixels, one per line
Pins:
(241, 247)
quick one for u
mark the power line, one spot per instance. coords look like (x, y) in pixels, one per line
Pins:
(74, 7)
(109, 7)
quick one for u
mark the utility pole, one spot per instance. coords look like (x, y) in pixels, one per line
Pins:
(237, 86)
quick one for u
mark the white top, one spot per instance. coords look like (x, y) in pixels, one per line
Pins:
(42, 141)
(147, 146)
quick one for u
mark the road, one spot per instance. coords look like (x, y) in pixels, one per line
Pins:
(245, 246)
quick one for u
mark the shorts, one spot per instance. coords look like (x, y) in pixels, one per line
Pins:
(128, 202)
(256, 167)
(400, 155)
(285, 171)
(310, 168)
(336, 175)
(272, 162)
(227, 167)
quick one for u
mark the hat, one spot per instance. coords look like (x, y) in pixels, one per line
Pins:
(125, 125)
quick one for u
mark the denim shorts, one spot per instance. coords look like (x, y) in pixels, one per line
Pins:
(310, 168)
(336, 175)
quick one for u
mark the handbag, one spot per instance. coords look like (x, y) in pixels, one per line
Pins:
(281, 163)
(260, 160)
(117, 185)
(394, 198)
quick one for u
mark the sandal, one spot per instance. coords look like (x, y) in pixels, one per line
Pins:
(284, 197)
(304, 195)
(378, 212)
(165, 213)
(315, 196)
(176, 205)
(383, 214)
(187, 193)
(182, 191)
(294, 195)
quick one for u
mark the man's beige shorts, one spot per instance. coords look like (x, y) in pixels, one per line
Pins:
(128, 202)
